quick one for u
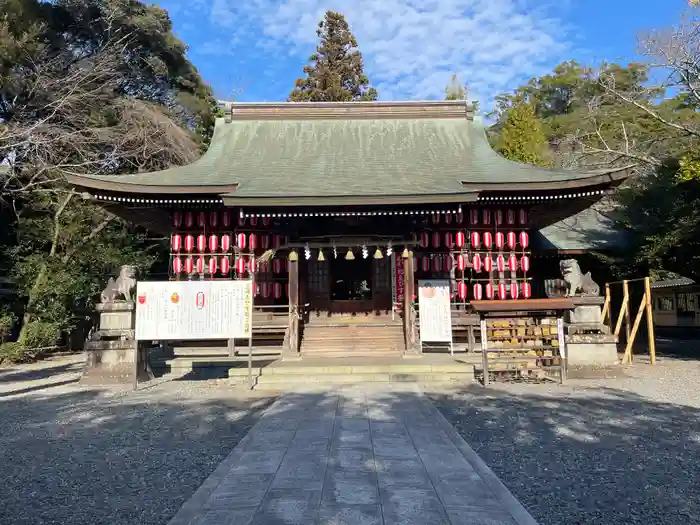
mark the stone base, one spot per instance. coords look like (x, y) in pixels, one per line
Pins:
(114, 364)
(592, 349)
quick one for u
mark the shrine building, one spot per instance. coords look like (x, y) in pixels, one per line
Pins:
(338, 209)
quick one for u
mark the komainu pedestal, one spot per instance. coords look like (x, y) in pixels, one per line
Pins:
(112, 354)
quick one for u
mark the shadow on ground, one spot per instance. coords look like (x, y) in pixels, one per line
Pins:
(570, 456)
(586, 457)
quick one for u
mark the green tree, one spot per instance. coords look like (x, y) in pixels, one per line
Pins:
(336, 72)
(521, 137)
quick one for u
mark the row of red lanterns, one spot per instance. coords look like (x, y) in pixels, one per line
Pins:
(491, 291)
(500, 239)
(214, 265)
(484, 216)
(222, 243)
(190, 219)
(478, 262)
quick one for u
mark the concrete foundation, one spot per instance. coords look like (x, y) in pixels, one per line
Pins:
(591, 349)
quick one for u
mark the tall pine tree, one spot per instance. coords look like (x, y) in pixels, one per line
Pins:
(336, 72)
(521, 137)
(455, 90)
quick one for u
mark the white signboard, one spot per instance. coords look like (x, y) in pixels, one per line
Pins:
(179, 310)
(434, 310)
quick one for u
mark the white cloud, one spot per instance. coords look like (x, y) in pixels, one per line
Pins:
(412, 47)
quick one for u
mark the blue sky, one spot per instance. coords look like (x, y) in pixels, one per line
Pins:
(253, 50)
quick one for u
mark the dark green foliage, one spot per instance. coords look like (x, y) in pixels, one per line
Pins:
(521, 138)
(336, 72)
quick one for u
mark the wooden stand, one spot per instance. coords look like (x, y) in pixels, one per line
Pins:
(523, 337)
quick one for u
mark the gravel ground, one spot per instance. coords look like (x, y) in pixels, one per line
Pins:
(595, 452)
(73, 455)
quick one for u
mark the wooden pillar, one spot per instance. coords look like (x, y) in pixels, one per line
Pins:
(292, 349)
(408, 293)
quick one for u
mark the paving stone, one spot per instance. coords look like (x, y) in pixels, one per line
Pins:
(351, 438)
(402, 473)
(240, 491)
(469, 516)
(288, 507)
(336, 514)
(301, 470)
(408, 506)
(270, 440)
(351, 487)
(353, 459)
(226, 517)
(259, 462)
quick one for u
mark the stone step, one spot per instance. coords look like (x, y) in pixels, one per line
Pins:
(349, 379)
(298, 369)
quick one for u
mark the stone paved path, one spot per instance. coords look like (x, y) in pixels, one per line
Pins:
(353, 458)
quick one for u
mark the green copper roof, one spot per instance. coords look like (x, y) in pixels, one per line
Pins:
(287, 157)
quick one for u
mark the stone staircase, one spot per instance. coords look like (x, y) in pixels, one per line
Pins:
(324, 374)
(349, 335)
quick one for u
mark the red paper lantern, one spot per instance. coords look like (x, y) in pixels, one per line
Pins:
(488, 240)
(253, 221)
(176, 243)
(263, 267)
(201, 219)
(276, 241)
(240, 265)
(277, 290)
(226, 219)
(265, 242)
(253, 242)
(448, 240)
(436, 240)
(513, 263)
(461, 262)
(225, 242)
(277, 265)
(240, 240)
(436, 218)
(477, 292)
(513, 290)
(224, 265)
(498, 215)
(489, 290)
(213, 219)
(448, 262)
(524, 240)
(502, 290)
(212, 265)
(265, 290)
(459, 239)
(527, 290)
(476, 262)
(177, 219)
(266, 221)
(500, 240)
(252, 265)
(462, 290)
(525, 263)
(488, 263)
(459, 217)
(200, 265)
(437, 263)
(476, 239)
(189, 219)
(448, 218)
(241, 220)
(510, 217)
(189, 243)
(177, 265)
(522, 216)
(512, 239)
(425, 263)
(486, 217)
(473, 216)
(201, 242)
(213, 243)
(424, 240)
(189, 265)
(500, 263)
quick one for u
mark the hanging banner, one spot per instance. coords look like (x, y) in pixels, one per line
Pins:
(397, 278)
(180, 310)
(434, 311)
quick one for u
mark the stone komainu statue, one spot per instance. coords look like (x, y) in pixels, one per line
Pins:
(122, 287)
(577, 283)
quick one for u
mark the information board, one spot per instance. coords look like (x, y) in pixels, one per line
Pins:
(434, 311)
(181, 310)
